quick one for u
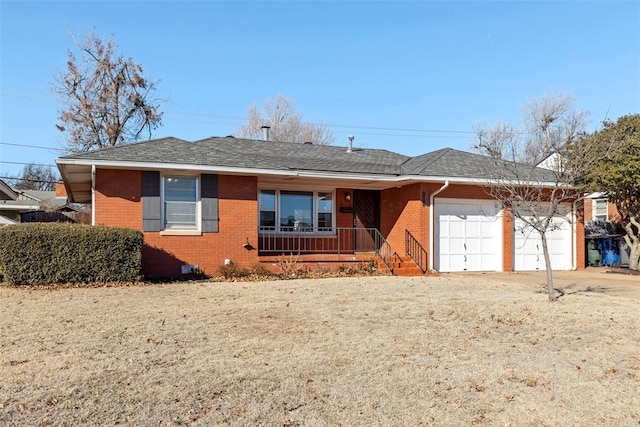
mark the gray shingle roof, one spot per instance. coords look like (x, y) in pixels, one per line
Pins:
(256, 154)
(308, 157)
(283, 156)
(446, 162)
(163, 150)
(455, 163)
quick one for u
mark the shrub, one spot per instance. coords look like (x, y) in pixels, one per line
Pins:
(291, 267)
(365, 268)
(39, 253)
(233, 271)
(260, 271)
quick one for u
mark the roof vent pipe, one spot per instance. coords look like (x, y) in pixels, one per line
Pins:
(265, 132)
(350, 149)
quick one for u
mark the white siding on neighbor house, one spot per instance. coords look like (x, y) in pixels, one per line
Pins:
(528, 254)
(468, 235)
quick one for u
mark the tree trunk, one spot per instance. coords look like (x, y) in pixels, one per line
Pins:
(634, 258)
(633, 240)
(547, 260)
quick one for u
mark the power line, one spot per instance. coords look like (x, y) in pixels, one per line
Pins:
(193, 113)
(64, 151)
(403, 129)
(405, 135)
(18, 178)
(33, 146)
(213, 118)
(21, 94)
(22, 163)
(242, 119)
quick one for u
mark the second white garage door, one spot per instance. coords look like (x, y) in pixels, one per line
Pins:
(468, 235)
(528, 254)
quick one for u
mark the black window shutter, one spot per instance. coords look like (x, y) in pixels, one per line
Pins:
(209, 197)
(151, 201)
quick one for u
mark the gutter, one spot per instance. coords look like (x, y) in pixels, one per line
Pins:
(93, 194)
(432, 222)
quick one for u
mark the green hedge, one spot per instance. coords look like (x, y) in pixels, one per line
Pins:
(39, 253)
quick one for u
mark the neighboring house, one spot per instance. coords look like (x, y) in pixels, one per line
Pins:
(603, 230)
(553, 161)
(205, 203)
(23, 201)
(6, 194)
(597, 207)
(36, 205)
(6, 221)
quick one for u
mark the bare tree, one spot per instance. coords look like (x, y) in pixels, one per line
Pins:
(106, 99)
(551, 123)
(548, 125)
(494, 140)
(536, 198)
(285, 123)
(37, 177)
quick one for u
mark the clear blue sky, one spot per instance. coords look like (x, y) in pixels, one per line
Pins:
(410, 77)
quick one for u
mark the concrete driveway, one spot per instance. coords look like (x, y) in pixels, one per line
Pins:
(592, 279)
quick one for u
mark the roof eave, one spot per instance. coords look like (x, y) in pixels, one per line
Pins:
(6, 205)
(7, 192)
(76, 174)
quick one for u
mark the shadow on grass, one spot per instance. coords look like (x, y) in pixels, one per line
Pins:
(569, 290)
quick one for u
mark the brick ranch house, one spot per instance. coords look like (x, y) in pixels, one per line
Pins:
(218, 200)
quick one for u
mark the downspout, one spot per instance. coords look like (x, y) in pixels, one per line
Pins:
(432, 222)
(93, 194)
(574, 237)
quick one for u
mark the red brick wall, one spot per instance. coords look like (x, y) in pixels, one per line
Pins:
(344, 207)
(117, 198)
(612, 211)
(407, 208)
(507, 241)
(60, 190)
(456, 191)
(402, 209)
(588, 210)
(118, 203)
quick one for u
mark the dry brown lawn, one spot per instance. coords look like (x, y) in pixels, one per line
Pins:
(448, 350)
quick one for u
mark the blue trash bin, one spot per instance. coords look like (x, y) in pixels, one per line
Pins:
(611, 258)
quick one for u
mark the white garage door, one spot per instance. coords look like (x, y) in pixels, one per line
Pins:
(468, 235)
(528, 254)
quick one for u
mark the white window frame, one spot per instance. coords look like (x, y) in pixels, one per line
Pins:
(318, 211)
(198, 220)
(595, 214)
(314, 231)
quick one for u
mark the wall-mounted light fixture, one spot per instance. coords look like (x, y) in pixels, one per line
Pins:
(248, 246)
(347, 196)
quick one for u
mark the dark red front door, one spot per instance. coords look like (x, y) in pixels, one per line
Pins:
(366, 214)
